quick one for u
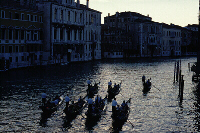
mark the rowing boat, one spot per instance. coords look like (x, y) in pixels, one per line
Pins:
(112, 92)
(49, 107)
(92, 90)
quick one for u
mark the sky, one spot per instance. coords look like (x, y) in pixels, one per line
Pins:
(179, 12)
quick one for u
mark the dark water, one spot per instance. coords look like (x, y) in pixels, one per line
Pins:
(159, 111)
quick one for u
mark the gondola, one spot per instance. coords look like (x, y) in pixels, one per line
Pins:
(96, 109)
(146, 87)
(50, 108)
(120, 117)
(113, 91)
(74, 109)
(92, 90)
(94, 115)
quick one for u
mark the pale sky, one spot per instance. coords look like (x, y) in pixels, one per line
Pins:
(179, 12)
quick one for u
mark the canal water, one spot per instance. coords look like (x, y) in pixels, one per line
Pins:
(158, 111)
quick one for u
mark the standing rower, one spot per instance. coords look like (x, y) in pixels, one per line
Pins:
(114, 104)
(109, 84)
(44, 95)
(89, 83)
(90, 102)
(67, 99)
(143, 79)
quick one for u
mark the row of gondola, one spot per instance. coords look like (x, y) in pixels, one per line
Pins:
(96, 108)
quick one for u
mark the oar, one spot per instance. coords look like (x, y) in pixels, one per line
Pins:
(155, 87)
(130, 123)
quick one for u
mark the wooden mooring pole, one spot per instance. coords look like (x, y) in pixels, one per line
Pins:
(174, 72)
(181, 89)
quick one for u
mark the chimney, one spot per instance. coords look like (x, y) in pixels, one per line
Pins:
(87, 4)
(117, 14)
(78, 3)
(108, 14)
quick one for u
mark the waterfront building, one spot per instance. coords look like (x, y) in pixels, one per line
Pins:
(127, 34)
(72, 31)
(118, 32)
(171, 45)
(148, 37)
(187, 48)
(62, 30)
(21, 37)
(194, 37)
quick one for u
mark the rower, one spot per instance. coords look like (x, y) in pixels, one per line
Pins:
(143, 79)
(55, 102)
(67, 99)
(97, 100)
(90, 102)
(123, 104)
(114, 104)
(80, 100)
(44, 95)
(89, 84)
(115, 86)
(109, 84)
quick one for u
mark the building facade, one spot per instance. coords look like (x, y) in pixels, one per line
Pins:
(148, 37)
(129, 34)
(171, 44)
(21, 37)
(72, 31)
(40, 32)
(118, 35)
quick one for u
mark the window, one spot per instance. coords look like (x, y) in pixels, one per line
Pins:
(81, 17)
(2, 49)
(28, 35)
(55, 33)
(55, 13)
(35, 57)
(31, 17)
(61, 34)
(22, 34)
(16, 59)
(40, 19)
(10, 49)
(10, 59)
(75, 32)
(22, 58)
(10, 15)
(22, 16)
(35, 18)
(16, 48)
(61, 15)
(10, 34)
(75, 16)
(68, 15)
(16, 34)
(16, 15)
(2, 14)
(28, 17)
(35, 35)
(3, 31)
(22, 48)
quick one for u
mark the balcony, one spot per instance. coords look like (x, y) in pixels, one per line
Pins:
(34, 41)
(172, 35)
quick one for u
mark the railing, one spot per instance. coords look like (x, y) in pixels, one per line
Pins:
(34, 41)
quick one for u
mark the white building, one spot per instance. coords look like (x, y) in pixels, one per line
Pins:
(72, 31)
(171, 45)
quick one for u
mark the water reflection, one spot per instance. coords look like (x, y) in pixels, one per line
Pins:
(197, 107)
(159, 111)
